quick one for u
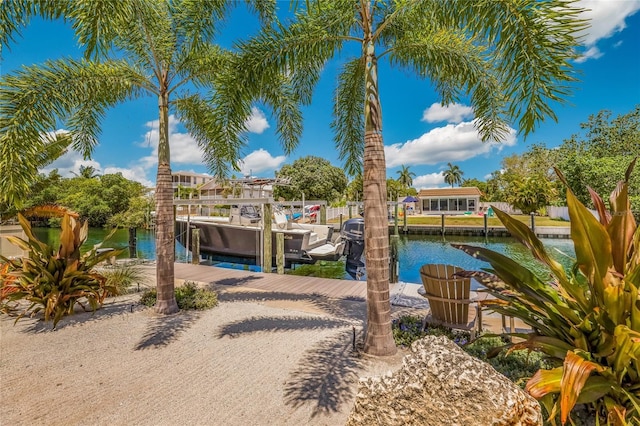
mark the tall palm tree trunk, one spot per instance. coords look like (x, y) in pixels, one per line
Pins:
(379, 337)
(165, 228)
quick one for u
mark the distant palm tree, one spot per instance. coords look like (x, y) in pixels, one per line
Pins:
(453, 175)
(87, 172)
(406, 177)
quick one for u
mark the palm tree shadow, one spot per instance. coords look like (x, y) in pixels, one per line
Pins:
(123, 306)
(162, 330)
(234, 282)
(279, 324)
(325, 375)
(351, 308)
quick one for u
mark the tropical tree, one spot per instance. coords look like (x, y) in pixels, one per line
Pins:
(159, 48)
(355, 191)
(406, 177)
(597, 159)
(87, 172)
(453, 175)
(316, 177)
(531, 194)
(477, 183)
(508, 58)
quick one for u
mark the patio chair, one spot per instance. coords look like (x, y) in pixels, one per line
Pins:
(449, 298)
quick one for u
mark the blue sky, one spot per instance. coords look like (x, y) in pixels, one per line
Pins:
(417, 131)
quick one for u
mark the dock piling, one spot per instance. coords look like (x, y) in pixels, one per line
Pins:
(195, 246)
(280, 253)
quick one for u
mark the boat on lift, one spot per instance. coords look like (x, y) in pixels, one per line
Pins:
(239, 236)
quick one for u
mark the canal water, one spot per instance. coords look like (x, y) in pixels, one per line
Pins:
(413, 251)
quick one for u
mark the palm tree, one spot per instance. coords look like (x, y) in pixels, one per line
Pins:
(157, 48)
(406, 177)
(453, 175)
(87, 172)
(508, 58)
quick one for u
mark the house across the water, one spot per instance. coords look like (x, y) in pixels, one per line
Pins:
(449, 200)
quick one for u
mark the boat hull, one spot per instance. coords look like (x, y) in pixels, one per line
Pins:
(227, 240)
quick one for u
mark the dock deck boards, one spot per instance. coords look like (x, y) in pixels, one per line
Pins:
(272, 282)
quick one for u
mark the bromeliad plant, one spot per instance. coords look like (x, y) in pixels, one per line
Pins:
(588, 318)
(53, 281)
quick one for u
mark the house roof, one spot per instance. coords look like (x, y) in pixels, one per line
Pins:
(470, 191)
(212, 184)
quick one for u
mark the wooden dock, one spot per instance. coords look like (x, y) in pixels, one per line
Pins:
(294, 284)
(402, 295)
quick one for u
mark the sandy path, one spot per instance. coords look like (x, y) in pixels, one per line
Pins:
(249, 361)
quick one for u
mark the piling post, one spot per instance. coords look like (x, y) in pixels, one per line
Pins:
(393, 258)
(395, 220)
(340, 220)
(442, 230)
(267, 261)
(486, 223)
(323, 214)
(132, 243)
(533, 222)
(280, 253)
(195, 246)
(404, 227)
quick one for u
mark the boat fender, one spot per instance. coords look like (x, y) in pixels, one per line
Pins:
(281, 220)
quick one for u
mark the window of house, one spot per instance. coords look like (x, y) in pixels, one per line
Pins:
(433, 205)
(472, 204)
(444, 205)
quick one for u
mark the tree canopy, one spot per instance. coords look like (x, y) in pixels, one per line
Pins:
(313, 176)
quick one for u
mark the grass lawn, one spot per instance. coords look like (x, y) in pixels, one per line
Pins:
(462, 220)
(479, 220)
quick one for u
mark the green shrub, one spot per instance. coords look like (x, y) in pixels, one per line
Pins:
(53, 281)
(121, 278)
(587, 318)
(188, 296)
(517, 365)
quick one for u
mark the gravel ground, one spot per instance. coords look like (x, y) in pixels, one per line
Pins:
(252, 360)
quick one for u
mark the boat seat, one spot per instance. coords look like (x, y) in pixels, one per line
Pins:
(313, 238)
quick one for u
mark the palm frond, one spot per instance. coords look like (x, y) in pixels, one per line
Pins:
(348, 119)
(220, 137)
(532, 44)
(34, 100)
(16, 14)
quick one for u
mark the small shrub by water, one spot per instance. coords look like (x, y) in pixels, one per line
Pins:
(188, 296)
(121, 278)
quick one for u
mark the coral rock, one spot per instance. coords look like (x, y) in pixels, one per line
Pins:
(439, 384)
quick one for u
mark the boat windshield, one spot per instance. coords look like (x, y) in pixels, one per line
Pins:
(248, 211)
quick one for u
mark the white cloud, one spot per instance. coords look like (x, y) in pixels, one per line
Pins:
(135, 173)
(259, 162)
(606, 18)
(184, 148)
(591, 53)
(451, 143)
(432, 180)
(69, 164)
(257, 123)
(454, 113)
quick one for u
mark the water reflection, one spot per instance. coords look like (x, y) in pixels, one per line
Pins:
(416, 250)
